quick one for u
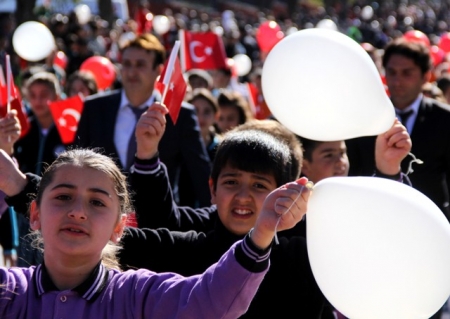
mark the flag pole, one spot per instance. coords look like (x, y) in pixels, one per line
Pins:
(8, 83)
(2, 77)
(170, 67)
(8, 88)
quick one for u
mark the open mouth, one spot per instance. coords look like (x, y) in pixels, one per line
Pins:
(242, 213)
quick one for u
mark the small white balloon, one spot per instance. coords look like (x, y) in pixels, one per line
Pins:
(161, 24)
(322, 85)
(367, 13)
(218, 30)
(327, 24)
(291, 30)
(378, 248)
(83, 13)
(242, 64)
(33, 41)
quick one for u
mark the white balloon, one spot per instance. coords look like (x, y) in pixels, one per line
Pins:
(367, 13)
(242, 64)
(33, 41)
(327, 24)
(378, 248)
(322, 85)
(161, 24)
(83, 13)
(291, 30)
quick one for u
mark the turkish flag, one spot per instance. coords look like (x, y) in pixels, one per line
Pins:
(257, 103)
(15, 104)
(176, 89)
(202, 50)
(66, 115)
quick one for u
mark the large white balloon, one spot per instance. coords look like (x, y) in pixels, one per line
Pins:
(161, 24)
(33, 41)
(322, 85)
(242, 64)
(378, 248)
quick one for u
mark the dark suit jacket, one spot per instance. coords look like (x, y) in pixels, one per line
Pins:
(430, 143)
(180, 144)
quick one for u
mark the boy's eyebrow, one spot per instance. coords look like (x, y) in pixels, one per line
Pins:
(254, 175)
(71, 186)
(331, 149)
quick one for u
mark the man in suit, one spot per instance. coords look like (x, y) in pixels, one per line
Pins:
(407, 67)
(109, 120)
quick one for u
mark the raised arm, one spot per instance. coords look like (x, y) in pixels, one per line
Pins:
(153, 198)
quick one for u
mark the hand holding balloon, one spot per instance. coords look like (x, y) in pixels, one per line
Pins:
(391, 148)
(283, 209)
(304, 65)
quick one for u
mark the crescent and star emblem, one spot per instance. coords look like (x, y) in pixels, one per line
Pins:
(199, 58)
(65, 116)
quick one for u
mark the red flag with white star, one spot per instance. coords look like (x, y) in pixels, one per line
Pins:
(172, 85)
(15, 101)
(66, 115)
(202, 50)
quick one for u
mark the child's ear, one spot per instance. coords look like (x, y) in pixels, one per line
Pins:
(118, 230)
(306, 168)
(35, 221)
(212, 191)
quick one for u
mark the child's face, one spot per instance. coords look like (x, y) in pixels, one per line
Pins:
(239, 196)
(78, 214)
(205, 114)
(228, 118)
(328, 159)
(39, 96)
(77, 87)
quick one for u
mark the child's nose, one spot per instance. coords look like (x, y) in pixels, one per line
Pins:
(78, 211)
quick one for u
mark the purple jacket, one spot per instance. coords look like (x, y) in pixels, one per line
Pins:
(225, 290)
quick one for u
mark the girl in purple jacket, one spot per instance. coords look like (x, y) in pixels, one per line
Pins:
(79, 215)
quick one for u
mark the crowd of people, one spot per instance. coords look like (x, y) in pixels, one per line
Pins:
(143, 217)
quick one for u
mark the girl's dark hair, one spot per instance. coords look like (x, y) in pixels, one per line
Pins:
(205, 94)
(253, 151)
(229, 98)
(84, 76)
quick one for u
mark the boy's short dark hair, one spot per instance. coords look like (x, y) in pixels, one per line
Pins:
(253, 151)
(415, 51)
(308, 147)
(278, 130)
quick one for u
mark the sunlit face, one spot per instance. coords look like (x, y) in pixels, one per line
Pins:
(138, 73)
(77, 87)
(39, 97)
(228, 118)
(328, 159)
(239, 196)
(205, 114)
(78, 213)
(404, 79)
